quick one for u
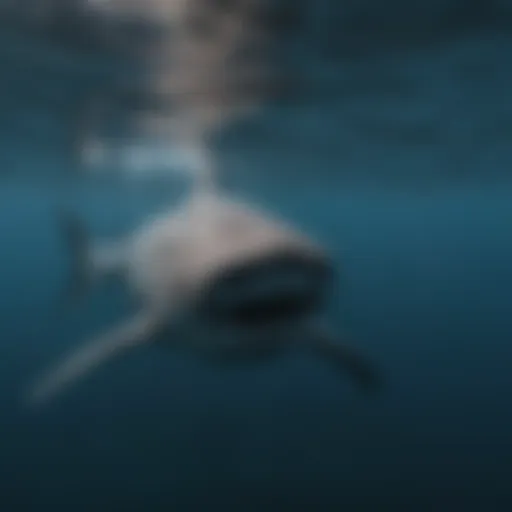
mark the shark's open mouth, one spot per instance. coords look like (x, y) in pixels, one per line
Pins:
(270, 291)
(273, 309)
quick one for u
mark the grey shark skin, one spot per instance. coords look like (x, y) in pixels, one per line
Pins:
(252, 281)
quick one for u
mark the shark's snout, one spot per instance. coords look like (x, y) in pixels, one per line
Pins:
(274, 290)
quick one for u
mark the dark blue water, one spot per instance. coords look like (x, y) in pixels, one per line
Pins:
(429, 297)
(427, 292)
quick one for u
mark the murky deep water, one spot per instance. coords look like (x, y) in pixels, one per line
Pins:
(428, 272)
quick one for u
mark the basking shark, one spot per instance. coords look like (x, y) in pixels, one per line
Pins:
(258, 286)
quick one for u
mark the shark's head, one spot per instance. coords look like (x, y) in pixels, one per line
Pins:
(276, 290)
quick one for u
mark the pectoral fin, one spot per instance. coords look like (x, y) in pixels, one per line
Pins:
(347, 359)
(107, 346)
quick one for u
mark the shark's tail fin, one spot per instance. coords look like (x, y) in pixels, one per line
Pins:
(76, 239)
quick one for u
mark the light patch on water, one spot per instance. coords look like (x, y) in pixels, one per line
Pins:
(144, 160)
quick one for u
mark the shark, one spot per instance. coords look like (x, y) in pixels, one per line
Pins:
(257, 285)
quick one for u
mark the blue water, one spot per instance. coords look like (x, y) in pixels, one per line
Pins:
(429, 297)
(427, 279)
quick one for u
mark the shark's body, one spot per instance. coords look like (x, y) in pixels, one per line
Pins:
(250, 280)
